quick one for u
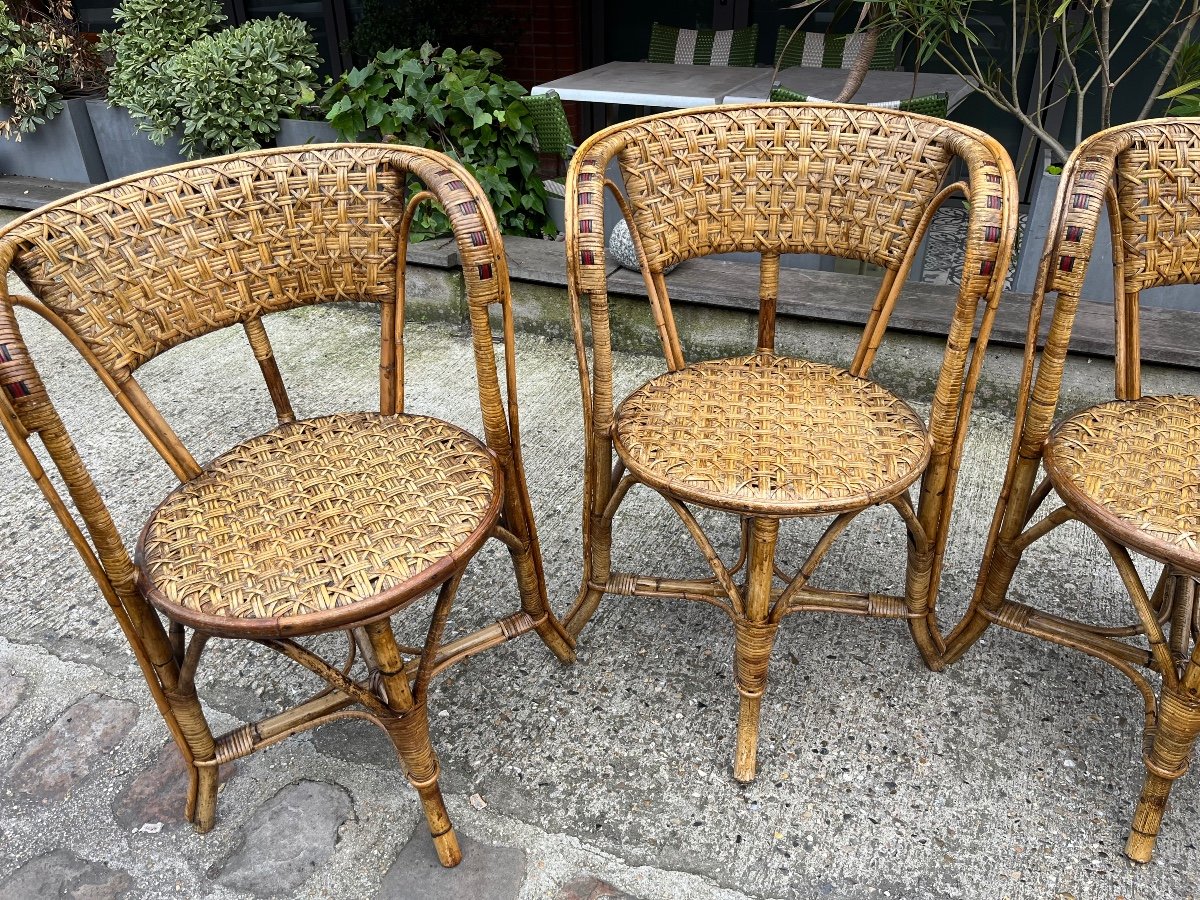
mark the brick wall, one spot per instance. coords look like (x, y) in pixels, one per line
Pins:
(548, 43)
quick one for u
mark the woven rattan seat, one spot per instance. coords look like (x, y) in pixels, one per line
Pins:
(767, 433)
(1132, 468)
(287, 531)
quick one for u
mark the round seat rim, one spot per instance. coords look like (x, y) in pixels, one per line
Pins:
(774, 508)
(1100, 517)
(360, 612)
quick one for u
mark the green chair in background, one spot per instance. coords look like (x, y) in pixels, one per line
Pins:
(818, 50)
(703, 46)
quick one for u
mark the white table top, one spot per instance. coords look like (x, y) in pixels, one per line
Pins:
(674, 86)
(878, 87)
(651, 84)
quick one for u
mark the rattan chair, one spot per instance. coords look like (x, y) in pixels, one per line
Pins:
(317, 525)
(1127, 468)
(765, 437)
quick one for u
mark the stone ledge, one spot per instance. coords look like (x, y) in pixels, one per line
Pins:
(1169, 337)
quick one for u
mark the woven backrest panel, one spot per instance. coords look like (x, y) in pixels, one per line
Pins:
(1155, 167)
(794, 179)
(144, 264)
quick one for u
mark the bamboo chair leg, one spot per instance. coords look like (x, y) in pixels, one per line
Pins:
(409, 731)
(533, 602)
(597, 564)
(1170, 752)
(754, 637)
(918, 580)
(201, 749)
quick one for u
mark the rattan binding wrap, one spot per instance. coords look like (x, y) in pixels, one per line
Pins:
(320, 524)
(764, 437)
(1127, 468)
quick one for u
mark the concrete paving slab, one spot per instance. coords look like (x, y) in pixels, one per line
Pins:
(486, 872)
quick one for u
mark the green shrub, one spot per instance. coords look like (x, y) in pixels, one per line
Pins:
(229, 89)
(150, 32)
(456, 103)
(43, 60)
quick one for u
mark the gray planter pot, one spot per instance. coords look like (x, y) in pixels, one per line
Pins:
(63, 149)
(1098, 284)
(298, 132)
(125, 148)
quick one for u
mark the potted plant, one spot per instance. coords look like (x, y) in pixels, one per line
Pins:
(46, 69)
(456, 102)
(226, 92)
(149, 30)
(1090, 49)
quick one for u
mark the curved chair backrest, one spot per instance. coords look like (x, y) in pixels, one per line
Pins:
(849, 181)
(1143, 174)
(130, 269)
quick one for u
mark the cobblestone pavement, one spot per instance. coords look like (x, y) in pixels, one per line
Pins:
(1014, 774)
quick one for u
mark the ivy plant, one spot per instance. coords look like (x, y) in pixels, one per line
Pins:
(228, 90)
(455, 102)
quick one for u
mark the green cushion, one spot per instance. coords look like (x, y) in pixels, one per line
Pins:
(703, 47)
(829, 51)
(551, 130)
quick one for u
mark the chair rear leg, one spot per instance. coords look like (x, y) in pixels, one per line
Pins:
(754, 637)
(531, 586)
(1177, 727)
(597, 564)
(409, 731)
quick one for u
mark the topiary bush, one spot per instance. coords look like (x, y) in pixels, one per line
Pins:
(457, 103)
(150, 32)
(228, 90)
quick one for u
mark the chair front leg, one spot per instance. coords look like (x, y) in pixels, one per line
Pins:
(1176, 729)
(754, 637)
(1167, 759)
(409, 731)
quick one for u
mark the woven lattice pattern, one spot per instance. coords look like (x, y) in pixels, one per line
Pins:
(318, 515)
(1136, 462)
(1155, 170)
(774, 433)
(151, 261)
(801, 179)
